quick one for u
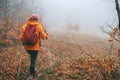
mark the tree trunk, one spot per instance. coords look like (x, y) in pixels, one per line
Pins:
(118, 13)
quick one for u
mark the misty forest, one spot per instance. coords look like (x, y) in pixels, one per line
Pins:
(83, 41)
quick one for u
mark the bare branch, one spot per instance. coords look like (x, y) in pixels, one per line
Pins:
(116, 39)
(103, 30)
(108, 25)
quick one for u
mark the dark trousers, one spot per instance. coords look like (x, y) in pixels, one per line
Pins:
(33, 57)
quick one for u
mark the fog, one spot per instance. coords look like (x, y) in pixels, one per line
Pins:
(89, 14)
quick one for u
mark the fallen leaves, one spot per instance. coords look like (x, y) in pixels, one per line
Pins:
(84, 70)
(9, 61)
(113, 34)
(71, 61)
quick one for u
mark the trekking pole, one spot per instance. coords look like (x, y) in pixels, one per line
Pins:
(48, 46)
(19, 67)
(49, 52)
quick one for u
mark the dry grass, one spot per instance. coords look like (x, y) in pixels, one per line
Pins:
(73, 57)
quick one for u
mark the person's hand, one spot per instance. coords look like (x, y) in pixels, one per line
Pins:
(45, 30)
(46, 36)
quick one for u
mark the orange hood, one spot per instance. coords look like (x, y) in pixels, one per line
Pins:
(32, 23)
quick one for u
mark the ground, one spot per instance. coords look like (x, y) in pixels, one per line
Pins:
(65, 56)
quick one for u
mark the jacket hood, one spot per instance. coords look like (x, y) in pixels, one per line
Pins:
(32, 23)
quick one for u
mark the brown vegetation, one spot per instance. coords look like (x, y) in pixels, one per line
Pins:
(73, 58)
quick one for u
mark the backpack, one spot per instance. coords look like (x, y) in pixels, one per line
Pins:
(30, 36)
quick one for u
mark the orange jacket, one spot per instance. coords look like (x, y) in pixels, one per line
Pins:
(40, 31)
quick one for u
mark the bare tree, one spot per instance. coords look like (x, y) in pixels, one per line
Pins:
(4, 6)
(72, 27)
(115, 31)
(13, 14)
(118, 13)
(76, 27)
(69, 26)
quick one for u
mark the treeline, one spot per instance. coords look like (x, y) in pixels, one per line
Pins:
(13, 14)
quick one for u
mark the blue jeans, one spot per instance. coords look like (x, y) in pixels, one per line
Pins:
(33, 57)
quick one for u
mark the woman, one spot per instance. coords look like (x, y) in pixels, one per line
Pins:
(33, 49)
